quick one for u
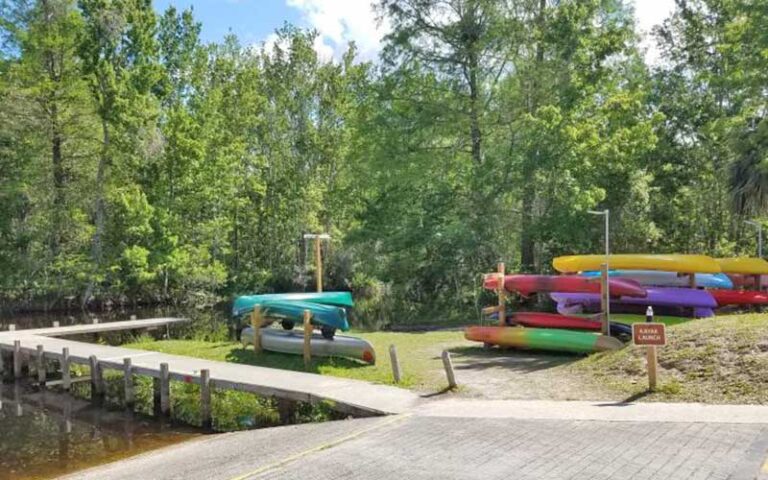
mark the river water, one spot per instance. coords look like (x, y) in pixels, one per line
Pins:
(45, 434)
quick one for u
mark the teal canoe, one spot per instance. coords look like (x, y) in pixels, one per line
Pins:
(245, 304)
(324, 315)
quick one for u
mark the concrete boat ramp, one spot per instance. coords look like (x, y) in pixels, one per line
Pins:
(347, 396)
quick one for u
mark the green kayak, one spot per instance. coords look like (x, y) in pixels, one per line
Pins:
(322, 315)
(245, 304)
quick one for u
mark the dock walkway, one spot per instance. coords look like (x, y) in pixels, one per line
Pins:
(348, 396)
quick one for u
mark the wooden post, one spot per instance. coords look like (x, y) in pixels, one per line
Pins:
(56, 324)
(396, 372)
(17, 360)
(205, 399)
(319, 264)
(605, 299)
(307, 338)
(2, 366)
(652, 367)
(692, 280)
(11, 327)
(165, 390)
(130, 396)
(286, 409)
(40, 365)
(256, 323)
(156, 396)
(758, 283)
(66, 376)
(448, 365)
(502, 293)
(95, 320)
(97, 380)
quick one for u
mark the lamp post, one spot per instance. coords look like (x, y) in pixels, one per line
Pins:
(759, 227)
(606, 284)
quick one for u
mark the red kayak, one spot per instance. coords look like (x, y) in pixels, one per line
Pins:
(739, 297)
(747, 281)
(528, 284)
(553, 320)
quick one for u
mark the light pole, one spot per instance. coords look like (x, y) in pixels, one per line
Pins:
(759, 227)
(606, 283)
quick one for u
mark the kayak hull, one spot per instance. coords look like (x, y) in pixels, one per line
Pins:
(543, 339)
(335, 317)
(553, 320)
(246, 303)
(657, 278)
(743, 265)
(528, 284)
(700, 301)
(739, 297)
(748, 281)
(292, 342)
(667, 263)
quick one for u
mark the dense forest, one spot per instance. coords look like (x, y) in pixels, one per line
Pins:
(139, 164)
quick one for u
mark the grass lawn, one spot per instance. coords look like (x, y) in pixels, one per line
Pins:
(419, 355)
(712, 360)
(715, 360)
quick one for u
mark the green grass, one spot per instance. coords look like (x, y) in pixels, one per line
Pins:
(714, 360)
(419, 355)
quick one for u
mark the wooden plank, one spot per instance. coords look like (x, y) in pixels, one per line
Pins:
(40, 365)
(102, 327)
(165, 390)
(502, 294)
(17, 359)
(605, 299)
(256, 323)
(307, 350)
(66, 373)
(205, 399)
(448, 365)
(97, 379)
(396, 372)
(652, 367)
(128, 383)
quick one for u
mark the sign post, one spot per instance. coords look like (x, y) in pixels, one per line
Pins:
(318, 256)
(651, 335)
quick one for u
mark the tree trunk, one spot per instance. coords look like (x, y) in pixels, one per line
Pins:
(100, 210)
(474, 107)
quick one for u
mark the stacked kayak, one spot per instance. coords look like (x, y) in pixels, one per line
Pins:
(666, 263)
(700, 302)
(553, 320)
(739, 297)
(543, 339)
(748, 281)
(528, 284)
(328, 313)
(292, 342)
(657, 278)
(743, 265)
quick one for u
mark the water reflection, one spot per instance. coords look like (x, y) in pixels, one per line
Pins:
(44, 434)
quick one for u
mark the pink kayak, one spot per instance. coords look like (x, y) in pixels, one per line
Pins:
(528, 284)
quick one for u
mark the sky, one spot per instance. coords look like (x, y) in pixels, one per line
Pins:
(337, 21)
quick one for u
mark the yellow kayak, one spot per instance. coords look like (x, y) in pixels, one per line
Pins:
(666, 263)
(743, 265)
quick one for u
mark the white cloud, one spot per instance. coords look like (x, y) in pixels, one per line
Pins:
(340, 21)
(650, 13)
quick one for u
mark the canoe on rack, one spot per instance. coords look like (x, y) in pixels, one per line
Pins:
(292, 341)
(657, 278)
(245, 304)
(666, 263)
(743, 265)
(543, 339)
(528, 284)
(739, 297)
(566, 322)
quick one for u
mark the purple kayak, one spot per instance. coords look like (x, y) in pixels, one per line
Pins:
(701, 301)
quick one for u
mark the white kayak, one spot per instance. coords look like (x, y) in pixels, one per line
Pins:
(292, 341)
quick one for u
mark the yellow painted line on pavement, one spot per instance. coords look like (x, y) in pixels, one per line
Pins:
(765, 465)
(325, 446)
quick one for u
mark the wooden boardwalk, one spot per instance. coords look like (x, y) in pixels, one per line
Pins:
(348, 396)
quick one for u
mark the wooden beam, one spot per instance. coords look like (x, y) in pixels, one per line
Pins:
(40, 365)
(97, 379)
(66, 373)
(17, 359)
(130, 396)
(502, 293)
(605, 299)
(165, 390)
(256, 323)
(307, 350)
(397, 373)
(448, 365)
(205, 399)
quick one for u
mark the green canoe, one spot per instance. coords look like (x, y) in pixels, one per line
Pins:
(323, 315)
(245, 304)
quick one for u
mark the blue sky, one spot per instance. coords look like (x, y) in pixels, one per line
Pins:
(337, 21)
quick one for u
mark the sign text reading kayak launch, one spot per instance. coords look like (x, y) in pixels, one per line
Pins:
(649, 334)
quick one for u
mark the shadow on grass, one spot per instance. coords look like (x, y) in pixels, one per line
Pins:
(289, 362)
(525, 361)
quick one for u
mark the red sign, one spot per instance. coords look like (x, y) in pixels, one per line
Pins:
(649, 334)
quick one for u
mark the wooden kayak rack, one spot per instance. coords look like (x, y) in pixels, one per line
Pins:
(257, 322)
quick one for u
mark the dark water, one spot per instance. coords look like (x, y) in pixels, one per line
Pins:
(45, 434)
